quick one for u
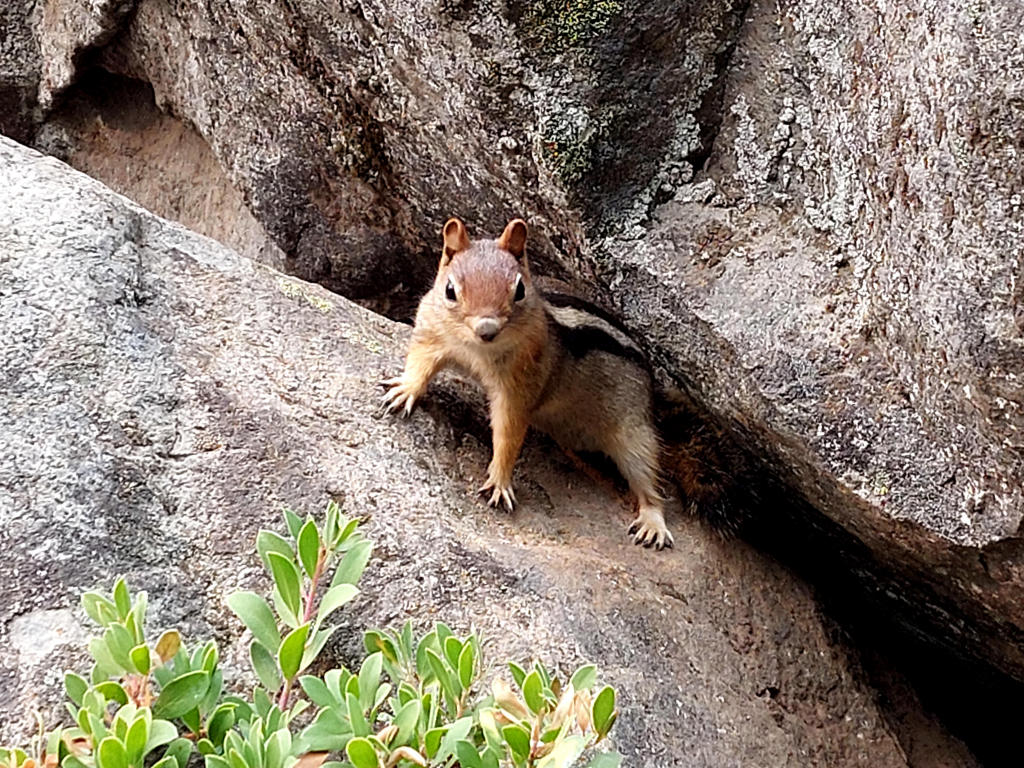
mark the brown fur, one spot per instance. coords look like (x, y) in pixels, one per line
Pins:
(586, 398)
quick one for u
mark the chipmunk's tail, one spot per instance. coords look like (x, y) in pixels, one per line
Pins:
(704, 461)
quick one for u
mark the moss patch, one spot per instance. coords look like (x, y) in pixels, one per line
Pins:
(563, 24)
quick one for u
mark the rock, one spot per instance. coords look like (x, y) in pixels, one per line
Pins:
(19, 69)
(850, 304)
(165, 397)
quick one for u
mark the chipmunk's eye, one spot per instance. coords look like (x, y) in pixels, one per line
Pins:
(520, 288)
(449, 290)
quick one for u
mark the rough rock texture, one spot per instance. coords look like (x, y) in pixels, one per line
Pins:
(19, 69)
(110, 128)
(850, 299)
(163, 397)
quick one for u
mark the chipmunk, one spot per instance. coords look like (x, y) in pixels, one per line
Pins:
(549, 361)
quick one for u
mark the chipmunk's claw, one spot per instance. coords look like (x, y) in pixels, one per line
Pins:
(398, 397)
(499, 493)
(649, 530)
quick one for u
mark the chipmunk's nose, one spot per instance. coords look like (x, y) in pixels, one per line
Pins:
(487, 328)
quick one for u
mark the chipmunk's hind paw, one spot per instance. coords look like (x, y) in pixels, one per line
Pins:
(650, 531)
(499, 494)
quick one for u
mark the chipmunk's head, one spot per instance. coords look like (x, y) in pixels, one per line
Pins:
(485, 284)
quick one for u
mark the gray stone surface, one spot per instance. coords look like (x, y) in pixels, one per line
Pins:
(164, 397)
(19, 69)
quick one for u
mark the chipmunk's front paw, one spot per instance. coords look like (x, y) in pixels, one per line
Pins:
(649, 529)
(400, 395)
(499, 492)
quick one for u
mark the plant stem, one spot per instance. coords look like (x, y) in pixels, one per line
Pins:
(307, 614)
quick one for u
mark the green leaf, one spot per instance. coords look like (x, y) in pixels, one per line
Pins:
(605, 760)
(192, 721)
(179, 750)
(314, 647)
(165, 762)
(137, 619)
(214, 761)
(327, 733)
(432, 741)
(465, 665)
(160, 732)
(265, 666)
(76, 686)
(210, 657)
(455, 733)
(289, 656)
(140, 659)
(254, 612)
(347, 530)
(335, 598)
(112, 691)
(181, 695)
(309, 547)
(452, 649)
(135, 741)
(369, 678)
(294, 523)
(267, 542)
(353, 564)
(442, 632)
(490, 728)
(360, 727)
(336, 680)
(277, 748)
(467, 755)
(361, 753)
(331, 523)
(518, 740)
(220, 721)
(406, 720)
(261, 702)
(518, 673)
(100, 651)
(584, 677)
(422, 662)
(317, 691)
(448, 685)
(168, 644)
(565, 753)
(532, 692)
(286, 579)
(98, 608)
(122, 600)
(603, 710)
(111, 754)
(120, 642)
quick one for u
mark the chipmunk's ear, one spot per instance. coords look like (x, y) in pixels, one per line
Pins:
(455, 239)
(513, 239)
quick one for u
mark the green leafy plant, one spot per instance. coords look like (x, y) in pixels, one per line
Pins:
(299, 568)
(413, 701)
(433, 711)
